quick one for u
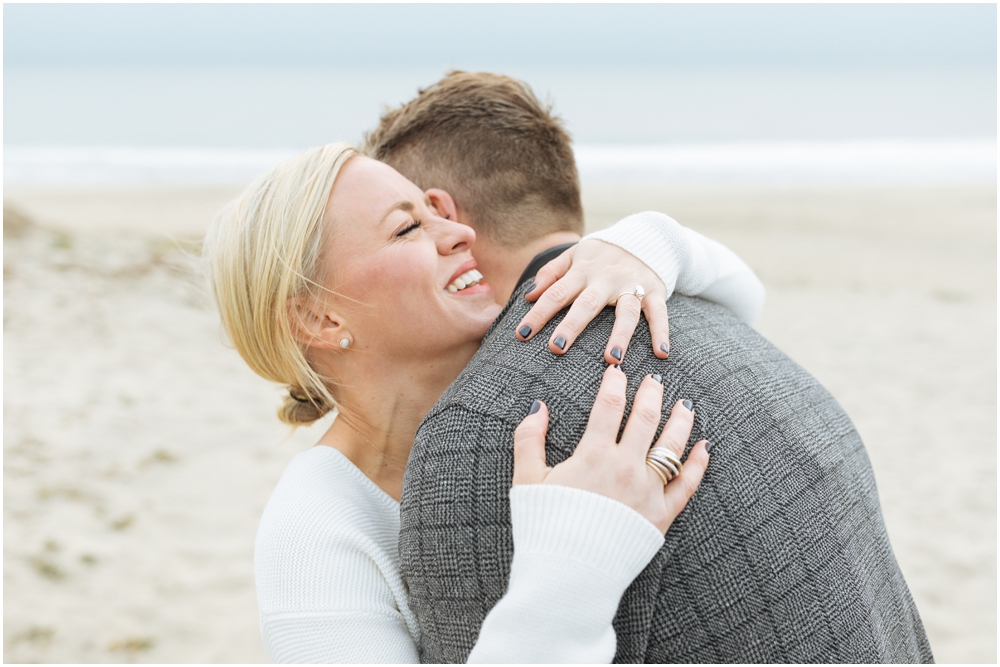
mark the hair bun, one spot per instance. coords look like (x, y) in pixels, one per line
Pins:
(300, 410)
(299, 396)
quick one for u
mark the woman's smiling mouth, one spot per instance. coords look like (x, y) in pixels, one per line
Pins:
(464, 281)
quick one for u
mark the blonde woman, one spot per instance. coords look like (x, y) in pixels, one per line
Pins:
(331, 274)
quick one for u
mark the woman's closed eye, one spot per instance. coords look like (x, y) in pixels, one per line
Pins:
(409, 227)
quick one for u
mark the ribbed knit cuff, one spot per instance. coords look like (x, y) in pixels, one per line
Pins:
(563, 522)
(655, 239)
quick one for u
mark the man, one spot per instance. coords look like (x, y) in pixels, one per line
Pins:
(781, 556)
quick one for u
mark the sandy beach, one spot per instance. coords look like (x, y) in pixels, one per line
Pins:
(139, 451)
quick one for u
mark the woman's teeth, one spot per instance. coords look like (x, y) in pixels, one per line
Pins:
(467, 279)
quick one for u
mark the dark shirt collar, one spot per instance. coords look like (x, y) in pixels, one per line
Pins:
(540, 260)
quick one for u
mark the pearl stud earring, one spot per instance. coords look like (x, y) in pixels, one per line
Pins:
(344, 343)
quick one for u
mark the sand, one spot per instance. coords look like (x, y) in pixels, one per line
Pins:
(139, 451)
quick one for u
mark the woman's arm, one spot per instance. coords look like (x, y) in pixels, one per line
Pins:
(575, 553)
(329, 590)
(648, 249)
(586, 528)
(688, 262)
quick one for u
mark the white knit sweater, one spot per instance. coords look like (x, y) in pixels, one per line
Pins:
(326, 562)
(688, 263)
(329, 586)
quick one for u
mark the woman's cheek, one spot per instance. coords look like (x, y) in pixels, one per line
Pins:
(409, 284)
(395, 272)
(401, 286)
(408, 277)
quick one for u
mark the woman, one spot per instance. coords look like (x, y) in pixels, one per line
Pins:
(331, 276)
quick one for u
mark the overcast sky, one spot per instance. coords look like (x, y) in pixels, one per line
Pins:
(281, 75)
(463, 35)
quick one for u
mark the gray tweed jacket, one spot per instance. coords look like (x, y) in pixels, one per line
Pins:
(781, 556)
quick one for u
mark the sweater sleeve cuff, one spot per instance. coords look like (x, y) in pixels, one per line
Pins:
(655, 239)
(568, 523)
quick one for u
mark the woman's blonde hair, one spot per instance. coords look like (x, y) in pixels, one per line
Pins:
(261, 252)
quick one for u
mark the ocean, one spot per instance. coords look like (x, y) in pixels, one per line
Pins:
(685, 124)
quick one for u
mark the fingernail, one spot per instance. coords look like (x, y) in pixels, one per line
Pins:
(708, 447)
(658, 378)
(618, 367)
(617, 353)
(664, 348)
(530, 290)
(560, 342)
(535, 407)
(688, 404)
(524, 331)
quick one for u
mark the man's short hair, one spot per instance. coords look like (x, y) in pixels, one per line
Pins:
(489, 142)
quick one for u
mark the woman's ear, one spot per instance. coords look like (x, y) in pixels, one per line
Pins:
(314, 324)
(443, 203)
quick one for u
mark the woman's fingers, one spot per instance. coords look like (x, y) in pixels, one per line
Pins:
(586, 301)
(583, 311)
(550, 273)
(529, 446)
(644, 418)
(592, 275)
(678, 428)
(679, 491)
(555, 298)
(626, 318)
(655, 308)
(609, 408)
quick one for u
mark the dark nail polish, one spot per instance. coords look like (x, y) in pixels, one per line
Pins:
(617, 353)
(688, 404)
(709, 446)
(664, 348)
(560, 342)
(658, 377)
(535, 407)
(618, 367)
(530, 290)
(524, 331)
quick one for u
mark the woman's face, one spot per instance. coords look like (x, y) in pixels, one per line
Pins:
(392, 259)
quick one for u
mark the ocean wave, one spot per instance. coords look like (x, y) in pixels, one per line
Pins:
(885, 162)
(794, 163)
(110, 166)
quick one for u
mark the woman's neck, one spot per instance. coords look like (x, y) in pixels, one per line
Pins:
(381, 406)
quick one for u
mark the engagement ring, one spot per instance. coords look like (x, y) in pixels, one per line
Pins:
(638, 292)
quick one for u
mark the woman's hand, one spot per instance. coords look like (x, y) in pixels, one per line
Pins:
(618, 470)
(591, 275)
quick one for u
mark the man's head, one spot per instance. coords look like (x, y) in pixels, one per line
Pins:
(502, 155)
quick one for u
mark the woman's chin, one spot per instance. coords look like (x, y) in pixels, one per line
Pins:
(477, 300)
(458, 319)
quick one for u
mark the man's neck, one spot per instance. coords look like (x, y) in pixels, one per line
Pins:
(501, 267)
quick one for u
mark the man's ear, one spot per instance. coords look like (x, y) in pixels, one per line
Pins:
(443, 203)
(314, 324)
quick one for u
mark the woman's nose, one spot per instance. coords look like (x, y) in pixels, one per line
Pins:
(454, 236)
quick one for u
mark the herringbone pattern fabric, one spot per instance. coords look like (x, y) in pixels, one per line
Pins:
(781, 556)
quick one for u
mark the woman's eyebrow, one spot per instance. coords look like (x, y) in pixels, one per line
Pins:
(404, 205)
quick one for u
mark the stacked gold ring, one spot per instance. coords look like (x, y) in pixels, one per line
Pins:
(664, 463)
